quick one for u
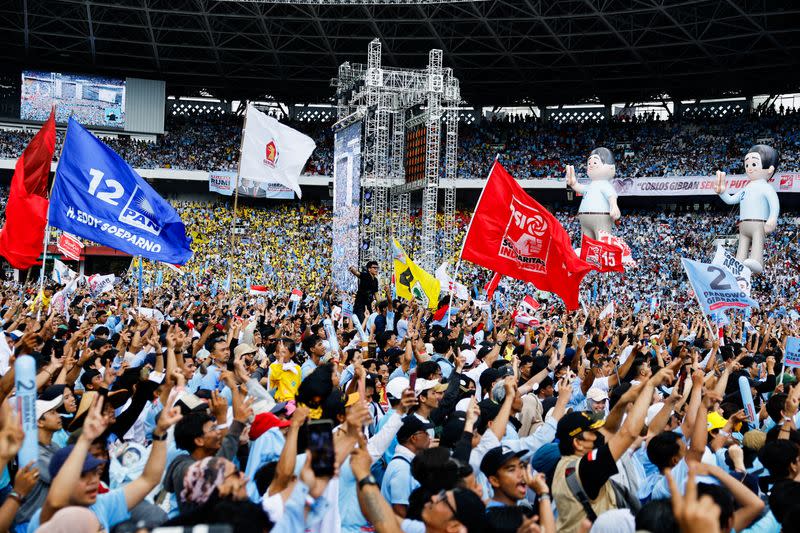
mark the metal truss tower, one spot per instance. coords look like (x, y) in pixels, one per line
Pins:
(382, 98)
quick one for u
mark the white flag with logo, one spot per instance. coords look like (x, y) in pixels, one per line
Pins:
(62, 274)
(447, 283)
(742, 274)
(272, 151)
(99, 284)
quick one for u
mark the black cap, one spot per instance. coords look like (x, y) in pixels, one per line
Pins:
(411, 425)
(497, 457)
(88, 376)
(470, 510)
(572, 424)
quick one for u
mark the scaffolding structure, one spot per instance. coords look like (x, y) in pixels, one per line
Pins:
(385, 101)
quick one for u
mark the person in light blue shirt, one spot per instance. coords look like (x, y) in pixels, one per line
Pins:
(398, 483)
(314, 348)
(759, 206)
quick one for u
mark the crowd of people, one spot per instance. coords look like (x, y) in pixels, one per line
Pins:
(528, 147)
(270, 412)
(282, 403)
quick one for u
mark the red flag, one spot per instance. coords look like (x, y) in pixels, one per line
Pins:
(491, 286)
(529, 304)
(605, 256)
(22, 236)
(512, 234)
(441, 312)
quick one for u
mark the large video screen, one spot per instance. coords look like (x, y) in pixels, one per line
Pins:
(92, 100)
(346, 204)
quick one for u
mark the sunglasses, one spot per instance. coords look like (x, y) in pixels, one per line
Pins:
(442, 497)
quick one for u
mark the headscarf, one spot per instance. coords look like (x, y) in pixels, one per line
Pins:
(71, 520)
(202, 478)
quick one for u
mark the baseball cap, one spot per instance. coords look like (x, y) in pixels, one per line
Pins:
(497, 457)
(412, 424)
(42, 406)
(597, 395)
(469, 357)
(395, 388)
(488, 377)
(60, 457)
(470, 510)
(243, 348)
(715, 421)
(264, 422)
(577, 422)
(15, 335)
(427, 384)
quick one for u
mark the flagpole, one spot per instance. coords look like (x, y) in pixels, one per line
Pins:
(452, 288)
(141, 270)
(47, 224)
(235, 205)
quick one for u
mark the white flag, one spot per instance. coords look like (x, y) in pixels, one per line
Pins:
(272, 151)
(99, 284)
(607, 311)
(447, 283)
(62, 274)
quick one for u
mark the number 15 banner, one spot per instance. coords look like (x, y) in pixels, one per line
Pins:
(96, 195)
(716, 288)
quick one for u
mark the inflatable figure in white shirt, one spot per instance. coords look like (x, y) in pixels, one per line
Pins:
(758, 204)
(598, 210)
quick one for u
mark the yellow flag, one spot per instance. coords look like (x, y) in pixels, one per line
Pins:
(411, 282)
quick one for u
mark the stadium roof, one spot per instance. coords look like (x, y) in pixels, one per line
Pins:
(503, 51)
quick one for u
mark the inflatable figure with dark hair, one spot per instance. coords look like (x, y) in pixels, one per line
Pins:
(758, 204)
(598, 209)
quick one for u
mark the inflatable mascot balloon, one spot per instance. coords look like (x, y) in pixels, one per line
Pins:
(758, 204)
(598, 209)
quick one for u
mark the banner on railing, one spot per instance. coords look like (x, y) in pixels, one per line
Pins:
(222, 182)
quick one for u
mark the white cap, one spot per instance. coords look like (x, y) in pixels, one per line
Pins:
(429, 348)
(396, 387)
(42, 406)
(469, 356)
(424, 384)
(597, 394)
(202, 354)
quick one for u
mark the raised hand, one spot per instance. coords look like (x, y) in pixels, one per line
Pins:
(167, 419)
(11, 435)
(96, 423)
(719, 186)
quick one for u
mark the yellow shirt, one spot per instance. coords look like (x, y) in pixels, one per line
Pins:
(285, 379)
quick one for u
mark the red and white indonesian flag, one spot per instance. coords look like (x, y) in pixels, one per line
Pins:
(296, 296)
(528, 304)
(273, 152)
(178, 269)
(258, 290)
(512, 234)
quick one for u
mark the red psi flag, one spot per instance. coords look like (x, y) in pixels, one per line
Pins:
(512, 234)
(605, 256)
(22, 236)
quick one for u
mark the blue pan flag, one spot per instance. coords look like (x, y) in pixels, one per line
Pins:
(98, 196)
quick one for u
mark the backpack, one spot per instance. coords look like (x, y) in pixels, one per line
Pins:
(623, 497)
(378, 468)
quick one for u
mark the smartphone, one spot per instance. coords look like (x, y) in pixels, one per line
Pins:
(320, 446)
(412, 379)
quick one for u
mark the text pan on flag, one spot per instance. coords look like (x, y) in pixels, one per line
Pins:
(97, 196)
(411, 281)
(512, 234)
(716, 288)
(604, 256)
(272, 151)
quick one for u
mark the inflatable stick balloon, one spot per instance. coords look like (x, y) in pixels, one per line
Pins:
(758, 204)
(598, 210)
(25, 383)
